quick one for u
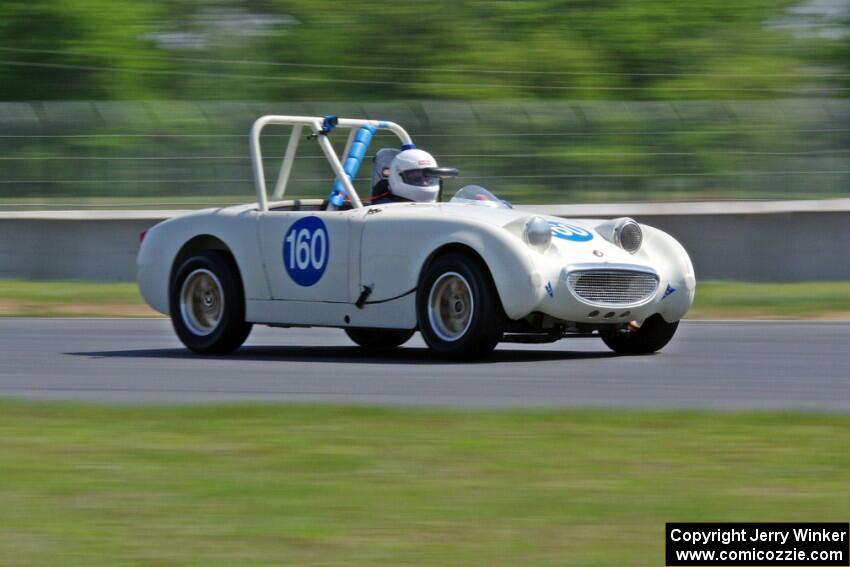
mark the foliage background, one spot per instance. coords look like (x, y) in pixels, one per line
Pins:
(572, 100)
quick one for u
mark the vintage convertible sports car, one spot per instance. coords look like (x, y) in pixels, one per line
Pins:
(467, 273)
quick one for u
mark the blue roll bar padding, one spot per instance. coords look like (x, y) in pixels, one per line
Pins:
(408, 147)
(329, 123)
(352, 163)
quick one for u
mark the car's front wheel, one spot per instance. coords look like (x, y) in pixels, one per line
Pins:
(207, 304)
(460, 315)
(379, 339)
(651, 336)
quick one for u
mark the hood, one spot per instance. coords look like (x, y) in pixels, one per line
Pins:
(577, 240)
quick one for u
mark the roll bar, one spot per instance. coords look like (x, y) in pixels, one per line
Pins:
(320, 128)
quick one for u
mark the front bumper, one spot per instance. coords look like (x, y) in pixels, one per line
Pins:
(629, 297)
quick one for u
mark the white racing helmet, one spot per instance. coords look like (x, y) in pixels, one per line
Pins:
(408, 178)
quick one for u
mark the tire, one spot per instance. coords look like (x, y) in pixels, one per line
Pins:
(207, 304)
(379, 339)
(459, 312)
(652, 336)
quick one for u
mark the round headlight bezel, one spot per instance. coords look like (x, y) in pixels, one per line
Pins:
(628, 235)
(537, 233)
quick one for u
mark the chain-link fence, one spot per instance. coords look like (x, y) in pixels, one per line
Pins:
(167, 153)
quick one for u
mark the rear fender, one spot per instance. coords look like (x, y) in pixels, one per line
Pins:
(163, 244)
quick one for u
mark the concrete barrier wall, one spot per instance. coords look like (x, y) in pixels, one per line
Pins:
(764, 248)
(780, 241)
(97, 247)
(758, 241)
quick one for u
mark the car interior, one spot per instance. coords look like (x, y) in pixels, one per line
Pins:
(380, 163)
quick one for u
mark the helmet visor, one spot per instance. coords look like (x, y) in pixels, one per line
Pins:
(418, 178)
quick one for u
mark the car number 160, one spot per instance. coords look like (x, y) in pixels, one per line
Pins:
(305, 251)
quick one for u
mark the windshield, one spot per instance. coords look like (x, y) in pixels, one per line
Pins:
(477, 195)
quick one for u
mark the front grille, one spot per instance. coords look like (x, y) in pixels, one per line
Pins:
(613, 287)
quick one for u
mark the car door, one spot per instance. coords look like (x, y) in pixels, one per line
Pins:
(306, 255)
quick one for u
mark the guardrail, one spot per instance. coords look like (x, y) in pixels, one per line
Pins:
(747, 241)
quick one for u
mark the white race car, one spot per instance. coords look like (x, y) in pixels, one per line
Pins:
(467, 273)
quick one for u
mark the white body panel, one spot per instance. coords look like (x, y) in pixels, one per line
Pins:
(333, 286)
(236, 227)
(386, 247)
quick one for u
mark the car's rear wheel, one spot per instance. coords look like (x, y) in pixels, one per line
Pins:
(379, 339)
(651, 336)
(207, 304)
(459, 312)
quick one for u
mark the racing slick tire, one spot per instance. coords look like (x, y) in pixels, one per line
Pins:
(379, 339)
(207, 303)
(651, 336)
(459, 312)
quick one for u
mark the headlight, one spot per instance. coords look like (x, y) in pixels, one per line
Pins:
(537, 232)
(628, 235)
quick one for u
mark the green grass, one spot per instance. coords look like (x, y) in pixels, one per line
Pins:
(714, 300)
(303, 485)
(44, 299)
(780, 301)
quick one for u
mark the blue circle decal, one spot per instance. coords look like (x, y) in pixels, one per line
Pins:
(570, 232)
(306, 248)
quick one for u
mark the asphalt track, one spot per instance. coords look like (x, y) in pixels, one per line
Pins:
(741, 365)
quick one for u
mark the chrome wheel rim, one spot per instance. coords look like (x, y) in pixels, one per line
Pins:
(450, 306)
(201, 302)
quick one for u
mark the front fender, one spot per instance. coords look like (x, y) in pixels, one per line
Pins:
(398, 266)
(674, 266)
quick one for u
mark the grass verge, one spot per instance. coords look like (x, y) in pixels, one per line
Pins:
(714, 300)
(303, 485)
(737, 300)
(80, 299)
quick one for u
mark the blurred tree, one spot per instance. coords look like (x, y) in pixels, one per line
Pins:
(66, 49)
(373, 50)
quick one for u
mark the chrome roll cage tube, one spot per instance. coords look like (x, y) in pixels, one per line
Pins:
(320, 128)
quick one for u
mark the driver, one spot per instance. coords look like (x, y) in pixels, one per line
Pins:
(407, 180)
